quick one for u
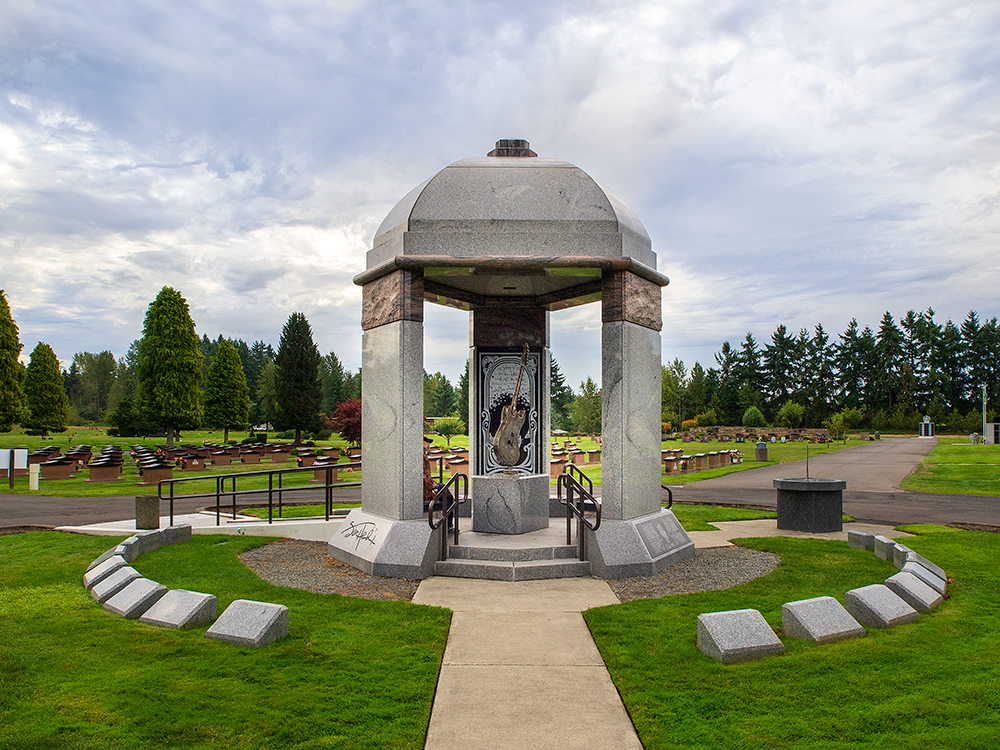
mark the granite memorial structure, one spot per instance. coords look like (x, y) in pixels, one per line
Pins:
(510, 237)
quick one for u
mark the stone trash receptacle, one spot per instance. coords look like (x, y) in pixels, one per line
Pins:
(760, 452)
(147, 512)
(813, 505)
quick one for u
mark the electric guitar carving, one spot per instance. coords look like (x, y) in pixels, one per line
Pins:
(507, 439)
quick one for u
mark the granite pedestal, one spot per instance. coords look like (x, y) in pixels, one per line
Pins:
(812, 505)
(510, 503)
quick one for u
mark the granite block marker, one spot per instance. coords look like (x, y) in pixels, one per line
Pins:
(878, 607)
(249, 623)
(133, 600)
(182, 609)
(820, 620)
(914, 592)
(737, 635)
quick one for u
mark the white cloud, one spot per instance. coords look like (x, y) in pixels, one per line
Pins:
(793, 163)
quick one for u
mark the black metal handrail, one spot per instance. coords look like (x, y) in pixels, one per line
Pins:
(670, 496)
(569, 481)
(220, 489)
(457, 479)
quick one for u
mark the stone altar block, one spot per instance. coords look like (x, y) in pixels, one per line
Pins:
(813, 505)
(510, 503)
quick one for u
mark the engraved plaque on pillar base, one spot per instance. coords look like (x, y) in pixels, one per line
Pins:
(510, 503)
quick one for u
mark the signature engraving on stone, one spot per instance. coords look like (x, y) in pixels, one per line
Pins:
(366, 531)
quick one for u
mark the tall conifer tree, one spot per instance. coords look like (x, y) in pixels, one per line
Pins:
(12, 402)
(46, 392)
(297, 386)
(227, 398)
(169, 367)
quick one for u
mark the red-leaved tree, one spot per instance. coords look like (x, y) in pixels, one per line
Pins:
(347, 421)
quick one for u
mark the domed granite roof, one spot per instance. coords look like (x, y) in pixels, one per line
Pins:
(511, 224)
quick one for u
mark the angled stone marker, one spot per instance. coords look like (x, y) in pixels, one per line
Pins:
(883, 547)
(176, 534)
(921, 560)
(181, 609)
(148, 541)
(102, 570)
(820, 620)
(914, 592)
(128, 549)
(249, 623)
(133, 600)
(104, 556)
(104, 590)
(938, 584)
(737, 635)
(860, 540)
(899, 553)
(878, 607)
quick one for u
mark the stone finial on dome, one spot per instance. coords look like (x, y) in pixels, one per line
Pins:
(512, 147)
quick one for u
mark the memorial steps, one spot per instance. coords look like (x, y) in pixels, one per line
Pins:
(533, 556)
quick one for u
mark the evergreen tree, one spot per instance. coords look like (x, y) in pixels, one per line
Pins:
(586, 408)
(822, 384)
(779, 364)
(888, 358)
(560, 397)
(45, 392)
(462, 398)
(332, 377)
(227, 398)
(264, 409)
(169, 367)
(12, 403)
(297, 387)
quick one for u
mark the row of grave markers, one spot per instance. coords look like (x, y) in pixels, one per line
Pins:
(122, 590)
(919, 587)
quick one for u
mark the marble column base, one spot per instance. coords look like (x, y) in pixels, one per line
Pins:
(510, 503)
(386, 547)
(637, 546)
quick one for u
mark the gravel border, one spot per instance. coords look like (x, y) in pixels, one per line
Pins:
(305, 565)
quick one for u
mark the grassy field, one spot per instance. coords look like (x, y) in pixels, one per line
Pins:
(958, 468)
(934, 683)
(352, 673)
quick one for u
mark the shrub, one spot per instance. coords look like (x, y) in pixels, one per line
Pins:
(689, 424)
(753, 417)
(708, 419)
(790, 414)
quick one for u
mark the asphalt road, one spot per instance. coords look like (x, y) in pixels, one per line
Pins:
(873, 472)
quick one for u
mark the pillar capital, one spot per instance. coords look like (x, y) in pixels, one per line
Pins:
(629, 297)
(396, 296)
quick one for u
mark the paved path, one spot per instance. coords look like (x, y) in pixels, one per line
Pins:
(873, 472)
(521, 669)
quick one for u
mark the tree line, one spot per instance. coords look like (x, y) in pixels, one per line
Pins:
(170, 380)
(884, 379)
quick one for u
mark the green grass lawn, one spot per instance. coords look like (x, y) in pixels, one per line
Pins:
(958, 468)
(934, 683)
(352, 673)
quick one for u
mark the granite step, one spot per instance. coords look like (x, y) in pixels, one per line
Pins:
(513, 554)
(512, 570)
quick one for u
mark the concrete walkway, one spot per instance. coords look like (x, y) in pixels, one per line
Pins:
(521, 669)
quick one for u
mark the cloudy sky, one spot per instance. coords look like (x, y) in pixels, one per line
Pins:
(793, 162)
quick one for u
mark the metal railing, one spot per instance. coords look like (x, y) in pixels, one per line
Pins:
(577, 497)
(220, 488)
(451, 511)
(670, 496)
